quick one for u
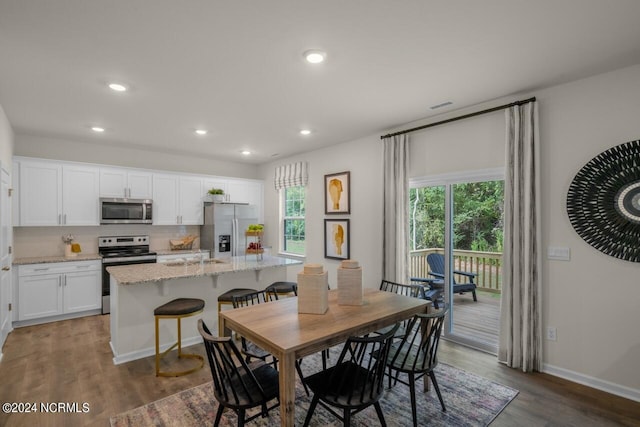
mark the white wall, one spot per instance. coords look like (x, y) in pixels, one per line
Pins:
(593, 299)
(363, 158)
(78, 151)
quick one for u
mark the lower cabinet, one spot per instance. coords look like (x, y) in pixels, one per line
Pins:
(54, 289)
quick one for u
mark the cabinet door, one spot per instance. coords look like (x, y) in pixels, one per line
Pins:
(140, 185)
(40, 193)
(165, 199)
(190, 197)
(15, 184)
(113, 182)
(245, 192)
(81, 193)
(39, 296)
(82, 291)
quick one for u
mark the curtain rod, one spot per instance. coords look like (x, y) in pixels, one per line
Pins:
(466, 116)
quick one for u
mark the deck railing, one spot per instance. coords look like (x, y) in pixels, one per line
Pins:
(487, 266)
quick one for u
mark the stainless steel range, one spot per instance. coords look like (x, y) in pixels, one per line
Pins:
(121, 250)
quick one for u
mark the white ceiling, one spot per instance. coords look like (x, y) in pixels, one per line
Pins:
(236, 67)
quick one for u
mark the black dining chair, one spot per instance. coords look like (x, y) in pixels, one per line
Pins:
(238, 387)
(416, 354)
(408, 290)
(356, 381)
(251, 350)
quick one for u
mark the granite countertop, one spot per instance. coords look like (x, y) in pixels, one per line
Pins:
(59, 258)
(141, 273)
(86, 257)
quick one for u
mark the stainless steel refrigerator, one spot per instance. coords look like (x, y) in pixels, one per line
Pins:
(224, 227)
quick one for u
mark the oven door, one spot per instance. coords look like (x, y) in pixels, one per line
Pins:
(106, 280)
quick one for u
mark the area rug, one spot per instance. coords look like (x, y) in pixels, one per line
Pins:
(471, 400)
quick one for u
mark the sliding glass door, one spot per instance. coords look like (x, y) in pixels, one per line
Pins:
(456, 242)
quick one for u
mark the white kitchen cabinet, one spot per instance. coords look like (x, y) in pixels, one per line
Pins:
(56, 194)
(190, 199)
(39, 296)
(132, 184)
(177, 200)
(244, 191)
(55, 289)
(40, 193)
(80, 195)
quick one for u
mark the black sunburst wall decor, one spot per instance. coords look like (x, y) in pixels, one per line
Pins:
(603, 202)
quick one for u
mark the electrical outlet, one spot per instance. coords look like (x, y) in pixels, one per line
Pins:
(552, 334)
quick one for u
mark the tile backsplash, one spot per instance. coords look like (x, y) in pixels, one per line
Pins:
(47, 241)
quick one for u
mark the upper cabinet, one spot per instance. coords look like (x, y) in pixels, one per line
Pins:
(243, 191)
(177, 200)
(54, 194)
(131, 184)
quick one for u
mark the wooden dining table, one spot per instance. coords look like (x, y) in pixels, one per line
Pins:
(288, 335)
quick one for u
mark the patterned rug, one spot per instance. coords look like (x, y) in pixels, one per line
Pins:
(471, 400)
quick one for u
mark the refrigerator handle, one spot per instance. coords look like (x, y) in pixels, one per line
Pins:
(234, 237)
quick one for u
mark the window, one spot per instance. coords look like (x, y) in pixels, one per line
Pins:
(294, 221)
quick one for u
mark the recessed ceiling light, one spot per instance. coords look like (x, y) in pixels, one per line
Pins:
(246, 152)
(315, 56)
(97, 129)
(202, 131)
(118, 87)
(305, 132)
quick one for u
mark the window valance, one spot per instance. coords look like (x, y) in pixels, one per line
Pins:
(291, 175)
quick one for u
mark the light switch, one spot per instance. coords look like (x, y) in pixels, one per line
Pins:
(558, 253)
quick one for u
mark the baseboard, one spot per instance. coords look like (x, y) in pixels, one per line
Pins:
(609, 387)
(42, 320)
(151, 351)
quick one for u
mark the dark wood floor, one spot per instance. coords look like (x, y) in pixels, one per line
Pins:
(70, 361)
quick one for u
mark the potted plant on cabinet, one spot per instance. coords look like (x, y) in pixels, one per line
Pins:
(217, 195)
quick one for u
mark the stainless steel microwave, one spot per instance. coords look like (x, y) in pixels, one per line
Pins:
(125, 211)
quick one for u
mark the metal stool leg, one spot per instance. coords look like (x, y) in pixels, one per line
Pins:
(178, 344)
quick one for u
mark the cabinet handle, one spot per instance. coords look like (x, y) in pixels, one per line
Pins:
(59, 219)
(65, 218)
(41, 269)
(59, 281)
(83, 266)
(64, 278)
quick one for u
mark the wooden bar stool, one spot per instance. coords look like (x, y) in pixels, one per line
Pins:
(227, 298)
(177, 309)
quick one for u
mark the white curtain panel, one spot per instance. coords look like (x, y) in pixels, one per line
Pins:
(520, 318)
(395, 265)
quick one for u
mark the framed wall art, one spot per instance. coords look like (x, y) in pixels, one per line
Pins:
(603, 202)
(336, 238)
(337, 193)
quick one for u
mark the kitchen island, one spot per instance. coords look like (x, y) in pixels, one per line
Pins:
(136, 290)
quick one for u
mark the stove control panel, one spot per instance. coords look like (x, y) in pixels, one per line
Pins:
(109, 241)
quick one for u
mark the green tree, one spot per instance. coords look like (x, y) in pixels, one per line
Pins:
(478, 216)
